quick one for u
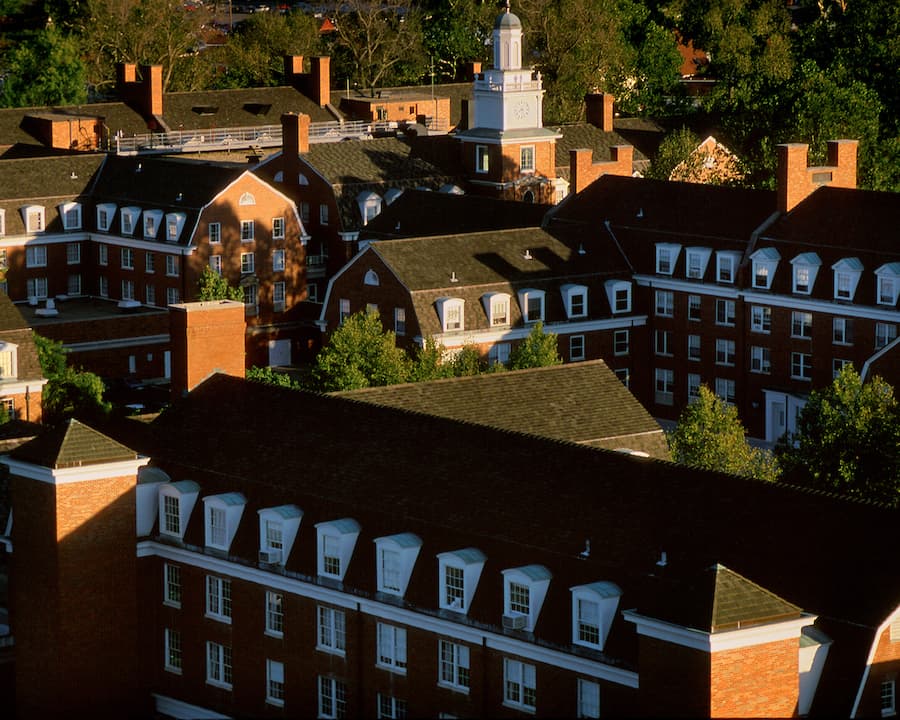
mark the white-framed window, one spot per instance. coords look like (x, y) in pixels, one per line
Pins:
(36, 288)
(222, 516)
(499, 354)
(618, 293)
(218, 598)
(801, 366)
(218, 665)
(524, 590)
(149, 294)
(761, 318)
(105, 212)
(526, 158)
(588, 699)
(128, 290)
(696, 260)
(304, 212)
(888, 697)
(176, 501)
(278, 228)
(399, 321)
(760, 360)
(621, 342)
(725, 351)
(371, 278)
(726, 266)
(336, 540)
(278, 527)
(173, 297)
(127, 255)
(278, 260)
(665, 386)
(35, 256)
(725, 390)
(128, 219)
(172, 585)
(693, 386)
(663, 342)
(693, 347)
(248, 263)
(275, 683)
(73, 284)
(725, 312)
(624, 375)
(576, 348)
(665, 303)
(214, 231)
(332, 630)
(694, 308)
(152, 220)
(575, 300)
(102, 254)
(172, 659)
(806, 267)
(593, 609)
(837, 365)
(171, 265)
(453, 665)
(666, 257)
(8, 360)
(842, 331)
(888, 283)
(33, 215)
(103, 286)
(458, 574)
(251, 298)
(531, 303)
(482, 159)
(215, 264)
(452, 314)
(174, 223)
(391, 647)
(801, 324)
(390, 707)
(847, 272)
(248, 230)
(73, 253)
(323, 214)
(884, 333)
(496, 306)
(519, 684)
(150, 263)
(332, 698)
(395, 557)
(344, 309)
(274, 613)
(764, 263)
(247, 199)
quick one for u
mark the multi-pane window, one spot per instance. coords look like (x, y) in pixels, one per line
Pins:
(304, 212)
(760, 359)
(694, 265)
(128, 258)
(150, 295)
(128, 289)
(332, 630)
(36, 256)
(73, 253)
(761, 277)
(274, 535)
(248, 263)
(278, 296)
(171, 266)
(390, 570)
(577, 304)
(801, 366)
(173, 297)
(587, 622)
(172, 658)
(576, 347)
(760, 318)
(665, 257)
(35, 220)
(454, 584)
(837, 366)
(724, 312)
(215, 232)
(725, 352)
(665, 385)
(278, 228)
(841, 331)
(526, 158)
(725, 268)
(215, 264)
(323, 214)
(725, 390)
(499, 310)
(665, 303)
(620, 342)
(274, 613)
(331, 555)
(801, 279)
(519, 598)
(884, 334)
(274, 683)
(392, 647)
(693, 347)
(103, 254)
(663, 342)
(344, 310)
(149, 263)
(247, 230)
(534, 308)
(172, 585)
(36, 287)
(588, 699)
(693, 386)
(453, 669)
(391, 707)
(801, 324)
(888, 697)
(218, 665)
(277, 260)
(624, 375)
(843, 285)
(103, 286)
(332, 698)
(482, 159)
(171, 514)
(218, 598)
(887, 290)
(622, 299)
(217, 534)
(399, 321)
(694, 307)
(452, 316)
(73, 285)
(519, 686)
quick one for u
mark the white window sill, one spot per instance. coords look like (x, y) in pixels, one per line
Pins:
(521, 708)
(219, 618)
(274, 634)
(219, 684)
(275, 702)
(803, 379)
(173, 670)
(172, 604)
(331, 650)
(462, 690)
(391, 668)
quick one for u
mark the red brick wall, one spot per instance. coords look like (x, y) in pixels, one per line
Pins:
(583, 170)
(795, 180)
(885, 666)
(758, 681)
(674, 680)
(206, 337)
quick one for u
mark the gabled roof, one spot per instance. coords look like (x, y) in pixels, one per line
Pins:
(117, 116)
(72, 444)
(543, 401)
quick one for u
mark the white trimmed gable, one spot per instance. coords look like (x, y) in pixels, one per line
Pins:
(149, 481)
(888, 280)
(174, 224)
(105, 213)
(764, 263)
(805, 268)
(524, 590)
(278, 527)
(70, 213)
(458, 574)
(128, 218)
(221, 517)
(618, 293)
(451, 312)
(726, 265)
(152, 221)
(335, 541)
(593, 611)
(575, 300)
(176, 502)
(847, 272)
(696, 261)
(33, 218)
(666, 257)
(496, 307)
(395, 557)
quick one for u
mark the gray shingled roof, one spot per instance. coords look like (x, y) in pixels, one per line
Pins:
(72, 445)
(585, 135)
(116, 116)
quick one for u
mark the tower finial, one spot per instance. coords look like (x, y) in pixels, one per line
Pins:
(507, 6)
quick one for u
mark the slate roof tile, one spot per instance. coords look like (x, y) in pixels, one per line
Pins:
(72, 444)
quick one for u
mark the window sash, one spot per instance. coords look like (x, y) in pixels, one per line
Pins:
(274, 612)
(332, 629)
(454, 587)
(453, 662)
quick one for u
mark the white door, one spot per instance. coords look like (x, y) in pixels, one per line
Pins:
(778, 421)
(279, 352)
(167, 364)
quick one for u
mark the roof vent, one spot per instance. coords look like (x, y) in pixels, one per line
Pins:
(663, 559)
(179, 197)
(453, 277)
(528, 255)
(640, 214)
(581, 250)
(138, 168)
(586, 553)
(73, 175)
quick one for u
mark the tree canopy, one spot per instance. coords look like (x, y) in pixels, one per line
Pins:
(212, 286)
(69, 392)
(539, 349)
(709, 435)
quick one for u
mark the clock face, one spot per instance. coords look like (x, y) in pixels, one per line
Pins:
(521, 110)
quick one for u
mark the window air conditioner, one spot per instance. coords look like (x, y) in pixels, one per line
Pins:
(272, 557)
(514, 622)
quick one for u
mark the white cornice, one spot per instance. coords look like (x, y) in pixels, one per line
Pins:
(66, 476)
(21, 387)
(117, 343)
(43, 239)
(133, 242)
(451, 340)
(687, 286)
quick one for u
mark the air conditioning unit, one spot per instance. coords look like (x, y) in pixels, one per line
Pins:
(514, 622)
(272, 557)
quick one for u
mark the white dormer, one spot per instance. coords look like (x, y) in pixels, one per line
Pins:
(2, 222)
(666, 257)
(524, 590)
(369, 203)
(128, 218)
(9, 361)
(764, 264)
(70, 213)
(496, 307)
(847, 272)
(222, 515)
(531, 303)
(593, 611)
(451, 311)
(806, 267)
(33, 218)
(371, 278)
(335, 541)
(395, 556)
(174, 224)
(618, 292)
(149, 480)
(176, 502)
(152, 219)
(696, 260)
(458, 574)
(888, 276)
(105, 212)
(278, 527)
(575, 300)
(726, 265)
(392, 195)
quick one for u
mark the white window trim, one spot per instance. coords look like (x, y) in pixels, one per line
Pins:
(482, 159)
(390, 648)
(606, 596)
(589, 709)
(569, 292)
(471, 562)
(537, 579)
(29, 210)
(271, 601)
(809, 261)
(221, 652)
(759, 327)
(274, 674)
(169, 585)
(167, 666)
(131, 214)
(187, 492)
(64, 209)
(852, 268)
(444, 306)
(529, 294)
(110, 210)
(278, 233)
(672, 251)
(154, 219)
(174, 225)
(764, 259)
(221, 587)
(612, 287)
(346, 532)
(232, 505)
(576, 348)
(407, 547)
(491, 302)
(333, 684)
(515, 672)
(760, 360)
(730, 259)
(334, 620)
(459, 660)
(369, 203)
(889, 271)
(704, 254)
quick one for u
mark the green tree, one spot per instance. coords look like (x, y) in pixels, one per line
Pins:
(44, 68)
(360, 354)
(709, 435)
(51, 355)
(456, 32)
(539, 349)
(675, 148)
(74, 393)
(428, 363)
(212, 286)
(270, 377)
(847, 440)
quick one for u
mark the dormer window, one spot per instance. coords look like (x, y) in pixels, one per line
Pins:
(278, 528)
(71, 215)
(369, 205)
(395, 556)
(336, 540)
(223, 515)
(532, 304)
(888, 276)
(128, 219)
(458, 575)
(765, 262)
(847, 272)
(33, 217)
(618, 292)
(806, 267)
(726, 266)
(524, 590)
(451, 313)
(152, 219)
(176, 501)
(105, 212)
(696, 261)
(666, 257)
(496, 305)
(593, 609)
(247, 199)
(8, 361)
(371, 278)
(174, 224)
(575, 300)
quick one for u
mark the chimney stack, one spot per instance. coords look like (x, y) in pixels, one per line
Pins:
(796, 181)
(316, 84)
(144, 95)
(583, 170)
(294, 141)
(599, 110)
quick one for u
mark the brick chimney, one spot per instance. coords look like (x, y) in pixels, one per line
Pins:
(206, 337)
(796, 180)
(599, 110)
(144, 95)
(316, 84)
(294, 141)
(583, 170)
